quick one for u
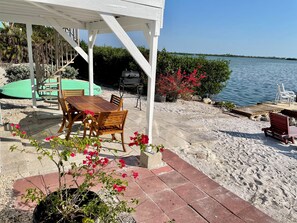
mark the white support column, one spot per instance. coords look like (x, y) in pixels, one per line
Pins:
(30, 54)
(154, 34)
(91, 42)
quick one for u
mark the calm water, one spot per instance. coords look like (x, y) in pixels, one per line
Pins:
(255, 80)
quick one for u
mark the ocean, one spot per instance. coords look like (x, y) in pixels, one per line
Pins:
(254, 80)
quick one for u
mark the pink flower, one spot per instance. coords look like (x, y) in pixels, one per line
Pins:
(12, 125)
(122, 163)
(89, 113)
(17, 126)
(135, 174)
(161, 150)
(47, 139)
(72, 154)
(103, 161)
(119, 188)
(124, 175)
(90, 172)
(144, 139)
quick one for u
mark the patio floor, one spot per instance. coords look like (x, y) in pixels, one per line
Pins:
(177, 191)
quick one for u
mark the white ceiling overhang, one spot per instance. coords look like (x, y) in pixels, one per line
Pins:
(132, 15)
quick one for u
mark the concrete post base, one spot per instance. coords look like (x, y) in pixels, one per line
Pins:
(151, 161)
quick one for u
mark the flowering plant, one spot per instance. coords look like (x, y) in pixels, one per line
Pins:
(178, 83)
(142, 140)
(94, 172)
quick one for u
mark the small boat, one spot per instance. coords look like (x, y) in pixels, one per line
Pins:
(22, 88)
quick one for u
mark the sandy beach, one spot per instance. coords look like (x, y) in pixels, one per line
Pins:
(230, 149)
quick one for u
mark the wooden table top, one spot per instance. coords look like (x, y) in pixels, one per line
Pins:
(92, 103)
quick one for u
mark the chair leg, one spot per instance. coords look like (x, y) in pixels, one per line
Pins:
(69, 130)
(122, 138)
(86, 125)
(85, 131)
(62, 126)
(113, 137)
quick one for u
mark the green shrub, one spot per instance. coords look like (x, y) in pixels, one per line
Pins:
(69, 72)
(217, 71)
(110, 62)
(22, 71)
(17, 72)
(225, 104)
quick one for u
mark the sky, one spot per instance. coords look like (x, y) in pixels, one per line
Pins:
(239, 27)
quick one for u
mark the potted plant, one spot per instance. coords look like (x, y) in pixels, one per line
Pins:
(150, 155)
(173, 85)
(75, 199)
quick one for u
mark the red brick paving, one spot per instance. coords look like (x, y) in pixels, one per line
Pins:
(168, 201)
(177, 192)
(173, 179)
(189, 192)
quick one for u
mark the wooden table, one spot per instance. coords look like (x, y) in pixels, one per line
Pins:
(92, 103)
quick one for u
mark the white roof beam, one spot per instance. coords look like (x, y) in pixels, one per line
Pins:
(116, 7)
(36, 20)
(155, 3)
(49, 9)
(128, 24)
(127, 42)
(23, 19)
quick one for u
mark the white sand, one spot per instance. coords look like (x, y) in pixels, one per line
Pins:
(234, 152)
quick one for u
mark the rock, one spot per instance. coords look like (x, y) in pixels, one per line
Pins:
(264, 118)
(207, 100)
(196, 98)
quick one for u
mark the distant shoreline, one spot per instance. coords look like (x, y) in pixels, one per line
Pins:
(231, 55)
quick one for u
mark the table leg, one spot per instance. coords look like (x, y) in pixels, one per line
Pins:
(70, 123)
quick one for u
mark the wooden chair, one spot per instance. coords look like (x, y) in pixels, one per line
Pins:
(109, 123)
(280, 128)
(116, 100)
(72, 92)
(69, 115)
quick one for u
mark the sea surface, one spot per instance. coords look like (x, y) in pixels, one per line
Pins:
(254, 80)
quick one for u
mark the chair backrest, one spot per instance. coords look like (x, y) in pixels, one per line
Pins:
(74, 92)
(114, 118)
(279, 88)
(282, 87)
(116, 100)
(279, 122)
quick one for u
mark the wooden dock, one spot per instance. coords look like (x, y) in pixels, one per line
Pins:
(263, 109)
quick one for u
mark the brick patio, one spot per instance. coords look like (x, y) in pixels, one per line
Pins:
(177, 192)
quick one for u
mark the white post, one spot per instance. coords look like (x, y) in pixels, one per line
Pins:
(30, 54)
(152, 81)
(91, 42)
